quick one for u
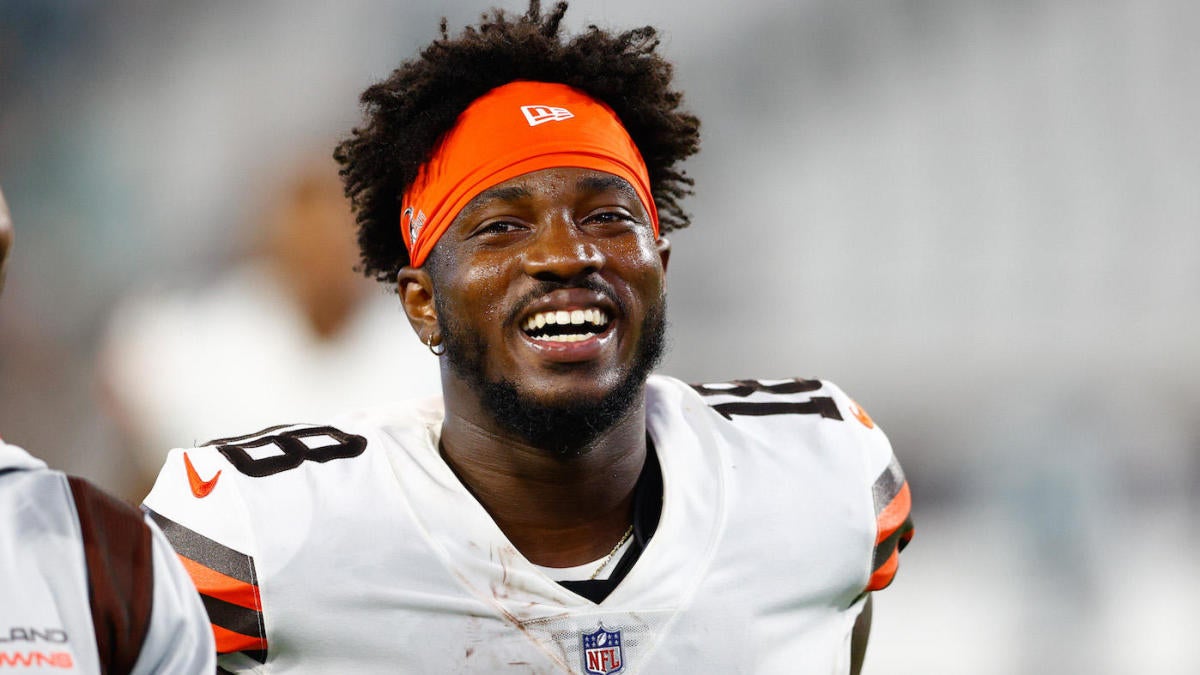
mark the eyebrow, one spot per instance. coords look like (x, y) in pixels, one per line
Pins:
(504, 194)
(605, 183)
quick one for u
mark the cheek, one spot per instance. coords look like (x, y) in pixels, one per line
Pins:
(642, 265)
(480, 292)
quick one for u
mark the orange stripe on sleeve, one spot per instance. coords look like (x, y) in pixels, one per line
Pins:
(894, 529)
(883, 576)
(229, 641)
(214, 584)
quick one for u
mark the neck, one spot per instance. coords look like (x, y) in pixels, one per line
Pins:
(558, 510)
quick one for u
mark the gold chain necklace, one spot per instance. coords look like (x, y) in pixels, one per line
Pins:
(608, 558)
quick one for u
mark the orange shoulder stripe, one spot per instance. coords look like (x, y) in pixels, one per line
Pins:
(214, 584)
(229, 641)
(883, 576)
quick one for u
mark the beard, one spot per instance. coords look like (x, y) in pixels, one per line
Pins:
(564, 427)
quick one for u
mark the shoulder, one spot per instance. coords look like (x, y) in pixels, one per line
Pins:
(783, 406)
(99, 514)
(250, 492)
(208, 486)
(817, 423)
(239, 509)
(14, 461)
(809, 417)
(105, 554)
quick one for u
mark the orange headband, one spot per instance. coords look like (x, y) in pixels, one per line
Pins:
(513, 130)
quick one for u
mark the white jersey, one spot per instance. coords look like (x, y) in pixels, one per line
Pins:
(352, 546)
(87, 584)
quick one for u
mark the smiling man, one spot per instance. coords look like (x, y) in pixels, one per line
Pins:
(559, 509)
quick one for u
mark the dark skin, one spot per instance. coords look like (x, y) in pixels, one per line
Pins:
(561, 225)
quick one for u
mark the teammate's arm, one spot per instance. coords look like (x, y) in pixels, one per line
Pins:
(858, 639)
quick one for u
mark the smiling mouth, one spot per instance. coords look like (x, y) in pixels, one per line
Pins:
(574, 325)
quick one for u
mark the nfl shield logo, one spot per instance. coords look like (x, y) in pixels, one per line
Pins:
(602, 653)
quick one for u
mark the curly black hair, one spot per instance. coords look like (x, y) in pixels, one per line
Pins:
(407, 114)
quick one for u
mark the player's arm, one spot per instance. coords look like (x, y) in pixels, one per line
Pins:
(858, 639)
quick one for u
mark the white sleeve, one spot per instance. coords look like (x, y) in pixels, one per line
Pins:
(888, 488)
(179, 639)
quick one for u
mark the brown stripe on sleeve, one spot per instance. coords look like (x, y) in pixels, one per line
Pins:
(212, 554)
(228, 586)
(120, 569)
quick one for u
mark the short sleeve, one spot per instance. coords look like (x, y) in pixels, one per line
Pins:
(197, 505)
(890, 495)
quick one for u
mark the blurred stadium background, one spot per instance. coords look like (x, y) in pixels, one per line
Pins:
(980, 217)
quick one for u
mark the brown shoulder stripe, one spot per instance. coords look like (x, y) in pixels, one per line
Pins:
(120, 568)
(213, 555)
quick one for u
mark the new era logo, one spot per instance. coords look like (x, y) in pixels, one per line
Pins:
(415, 223)
(536, 114)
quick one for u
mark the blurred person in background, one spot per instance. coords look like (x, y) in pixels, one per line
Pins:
(87, 583)
(290, 334)
(559, 509)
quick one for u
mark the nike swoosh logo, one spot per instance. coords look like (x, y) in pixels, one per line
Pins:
(200, 488)
(859, 413)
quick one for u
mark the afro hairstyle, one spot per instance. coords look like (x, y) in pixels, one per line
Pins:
(407, 115)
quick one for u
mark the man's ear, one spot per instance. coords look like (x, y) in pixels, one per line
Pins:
(415, 288)
(663, 246)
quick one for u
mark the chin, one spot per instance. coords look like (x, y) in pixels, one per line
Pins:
(565, 423)
(562, 408)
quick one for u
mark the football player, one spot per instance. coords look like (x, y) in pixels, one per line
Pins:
(87, 583)
(559, 509)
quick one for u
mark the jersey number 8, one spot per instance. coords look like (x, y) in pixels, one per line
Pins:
(295, 451)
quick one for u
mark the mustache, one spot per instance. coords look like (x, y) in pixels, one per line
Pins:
(594, 284)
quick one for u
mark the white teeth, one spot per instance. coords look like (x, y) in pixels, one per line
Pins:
(592, 315)
(565, 338)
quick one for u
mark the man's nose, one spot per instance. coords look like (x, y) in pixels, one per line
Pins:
(561, 252)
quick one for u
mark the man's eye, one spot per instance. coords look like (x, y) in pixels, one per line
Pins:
(611, 217)
(498, 227)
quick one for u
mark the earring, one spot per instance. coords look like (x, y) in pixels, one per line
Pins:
(432, 350)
